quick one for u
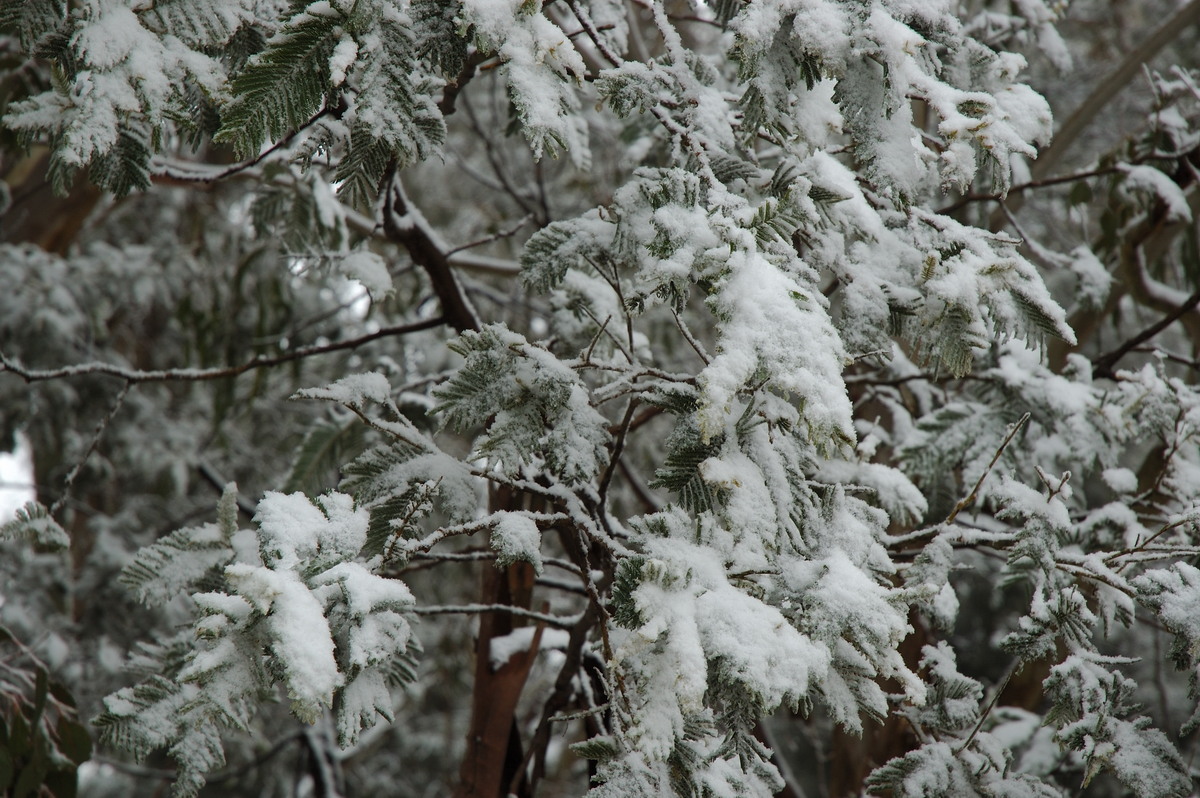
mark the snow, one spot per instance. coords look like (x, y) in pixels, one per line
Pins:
(296, 532)
(1121, 480)
(363, 699)
(894, 491)
(518, 641)
(343, 58)
(299, 633)
(541, 63)
(354, 390)
(800, 350)
(1176, 597)
(785, 589)
(363, 591)
(1148, 180)
(1094, 279)
(516, 537)
(369, 269)
(112, 36)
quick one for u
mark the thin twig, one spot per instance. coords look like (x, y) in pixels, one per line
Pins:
(1103, 365)
(687, 335)
(988, 709)
(526, 219)
(133, 376)
(618, 446)
(1020, 187)
(216, 777)
(970, 498)
(101, 426)
(170, 170)
(559, 621)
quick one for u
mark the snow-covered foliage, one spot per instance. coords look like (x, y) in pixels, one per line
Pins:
(755, 417)
(294, 608)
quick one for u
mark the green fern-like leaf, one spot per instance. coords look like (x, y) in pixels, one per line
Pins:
(324, 450)
(626, 581)
(549, 253)
(402, 668)
(440, 40)
(776, 219)
(600, 748)
(397, 118)
(468, 398)
(952, 342)
(34, 524)
(727, 169)
(161, 571)
(825, 196)
(196, 24)
(367, 477)
(31, 20)
(283, 87)
(784, 176)
(1037, 321)
(680, 471)
(293, 215)
(396, 517)
(676, 399)
(362, 169)
(126, 166)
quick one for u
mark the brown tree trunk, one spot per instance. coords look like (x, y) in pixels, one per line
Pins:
(494, 750)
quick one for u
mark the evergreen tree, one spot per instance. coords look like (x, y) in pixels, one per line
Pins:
(738, 398)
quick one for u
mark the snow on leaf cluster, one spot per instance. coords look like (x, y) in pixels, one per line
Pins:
(295, 608)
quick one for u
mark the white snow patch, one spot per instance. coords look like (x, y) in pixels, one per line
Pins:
(516, 537)
(1121, 480)
(369, 269)
(503, 648)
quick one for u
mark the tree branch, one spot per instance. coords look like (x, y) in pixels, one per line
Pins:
(133, 376)
(403, 224)
(1103, 365)
(1183, 21)
(558, 621)
(1020, 187)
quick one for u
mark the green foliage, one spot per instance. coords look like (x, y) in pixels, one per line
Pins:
(325, 449)
(362, 169)
(551, 252)
(333, 633)
(401, 485)
(33, 524)
(126, 166)
(680, 471)
(776, 218)
(1174, 594)
(1089, 705)
(531, 403)
(776, 276)
(42, 742)
(600, 747)
(204, 24)
(32, 20)
(282, 87)
(625, 583)
(440, 41)
(193, 726)
(395, 119)
(298, 217)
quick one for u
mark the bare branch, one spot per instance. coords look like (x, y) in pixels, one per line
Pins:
(1103, 365)
(558, 621)
(970, 498)
(134, 376)
(96, 436)
(405, 225)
